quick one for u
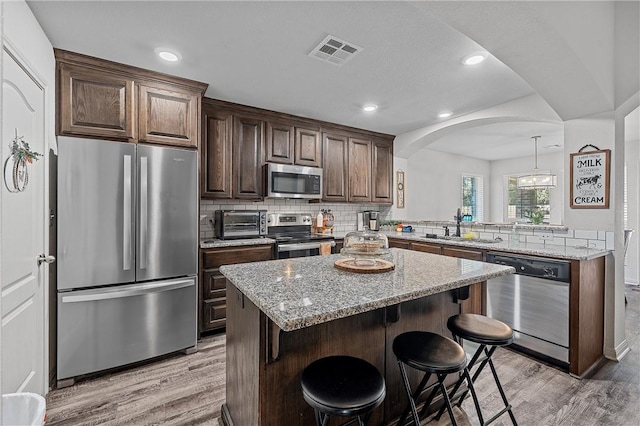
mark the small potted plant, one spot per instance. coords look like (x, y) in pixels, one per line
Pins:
(16, 164)
(536, 216)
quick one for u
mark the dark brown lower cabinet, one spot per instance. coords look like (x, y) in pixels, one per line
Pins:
(399, 243)
(213, 285)
(586, 315)
(427, 248)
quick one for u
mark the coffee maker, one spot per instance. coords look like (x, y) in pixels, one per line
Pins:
(372, 219)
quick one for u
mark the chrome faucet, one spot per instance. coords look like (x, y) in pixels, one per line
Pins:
(458, 218)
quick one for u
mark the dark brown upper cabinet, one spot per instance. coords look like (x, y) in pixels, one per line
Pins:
(232, 154)
(334, 172)
(247, 157)
(382, 171)
(216, 153)
(289, 144)
(167, 117)
(308, 147)
(238, 140)
(359, 170)
(280, 142)
(109, 100)
(94, 103)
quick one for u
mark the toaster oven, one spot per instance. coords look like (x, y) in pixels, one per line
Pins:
(231, 224)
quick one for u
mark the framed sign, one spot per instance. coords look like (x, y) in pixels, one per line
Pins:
(590, 179)
(400, 194)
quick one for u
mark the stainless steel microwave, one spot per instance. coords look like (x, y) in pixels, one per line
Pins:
(231, 224)
(286, 181)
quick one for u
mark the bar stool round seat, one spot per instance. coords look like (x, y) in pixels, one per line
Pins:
(480, 329)
(429, 352)
(432, 354)
(342, 386)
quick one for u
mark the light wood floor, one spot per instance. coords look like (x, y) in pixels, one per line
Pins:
(189, 390)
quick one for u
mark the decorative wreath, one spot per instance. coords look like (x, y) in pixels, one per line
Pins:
(20, 151)
(16, 174)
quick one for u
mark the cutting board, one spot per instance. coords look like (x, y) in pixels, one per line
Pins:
(380, 265)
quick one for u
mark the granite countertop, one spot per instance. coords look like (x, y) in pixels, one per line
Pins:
(548, 250)
(301, 292)
(214, 243)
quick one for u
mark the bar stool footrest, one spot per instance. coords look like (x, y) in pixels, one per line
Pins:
(497, 415)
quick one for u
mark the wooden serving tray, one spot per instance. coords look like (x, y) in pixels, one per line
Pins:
(348, 264)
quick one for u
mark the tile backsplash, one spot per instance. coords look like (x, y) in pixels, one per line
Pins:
(345, 221)
(344, 213)
(526, 234)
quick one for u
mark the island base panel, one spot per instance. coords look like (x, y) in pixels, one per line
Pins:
(264, 364)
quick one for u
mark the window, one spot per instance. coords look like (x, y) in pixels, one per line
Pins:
(522, 201)
(472, 198)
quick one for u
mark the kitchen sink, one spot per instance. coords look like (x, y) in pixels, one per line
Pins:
(471, 240)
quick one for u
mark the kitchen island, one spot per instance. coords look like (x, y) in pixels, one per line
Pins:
(284, 314)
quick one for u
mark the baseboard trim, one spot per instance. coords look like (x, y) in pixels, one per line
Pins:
(619, 352)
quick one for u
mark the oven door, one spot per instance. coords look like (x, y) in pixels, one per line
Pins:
(303, 249)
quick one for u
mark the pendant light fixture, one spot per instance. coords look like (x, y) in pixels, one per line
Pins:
(537, 180)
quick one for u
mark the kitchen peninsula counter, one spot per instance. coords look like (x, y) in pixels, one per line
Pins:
(506, 246)
(284, 314)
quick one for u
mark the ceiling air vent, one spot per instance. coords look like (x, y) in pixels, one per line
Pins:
(334, 50)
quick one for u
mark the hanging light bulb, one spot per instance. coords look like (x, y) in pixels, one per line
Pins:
(536, 179)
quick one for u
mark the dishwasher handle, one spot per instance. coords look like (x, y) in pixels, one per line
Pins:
(550, 269)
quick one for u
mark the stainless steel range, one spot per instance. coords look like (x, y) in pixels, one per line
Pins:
(294, 236)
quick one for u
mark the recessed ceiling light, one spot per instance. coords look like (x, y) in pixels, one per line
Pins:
(444, 114)
(168, 54)
(370, 108)
(475, 58)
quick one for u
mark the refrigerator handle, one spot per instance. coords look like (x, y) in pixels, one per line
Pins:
(135, 290)
(126, 215)
(143, 212)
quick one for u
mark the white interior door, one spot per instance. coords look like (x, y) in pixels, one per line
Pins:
(23, 216)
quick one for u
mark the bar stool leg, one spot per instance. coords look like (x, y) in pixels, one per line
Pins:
(321, 419)
(412, 404)
(466, 372)
(504, 397)
(443, 389)
(488, 354)
(470, 380)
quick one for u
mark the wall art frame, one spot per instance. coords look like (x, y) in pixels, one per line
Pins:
(590, 178)
(400, 189)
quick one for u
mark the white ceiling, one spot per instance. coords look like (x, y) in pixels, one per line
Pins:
(503, 140)
(256, 53)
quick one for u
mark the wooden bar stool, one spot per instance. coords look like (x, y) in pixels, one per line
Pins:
(431, 354)
(342, 386)
(489, 333)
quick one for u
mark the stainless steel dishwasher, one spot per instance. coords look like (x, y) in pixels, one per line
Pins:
(535, 303)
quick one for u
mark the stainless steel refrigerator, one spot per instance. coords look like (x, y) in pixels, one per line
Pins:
(127, 253)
